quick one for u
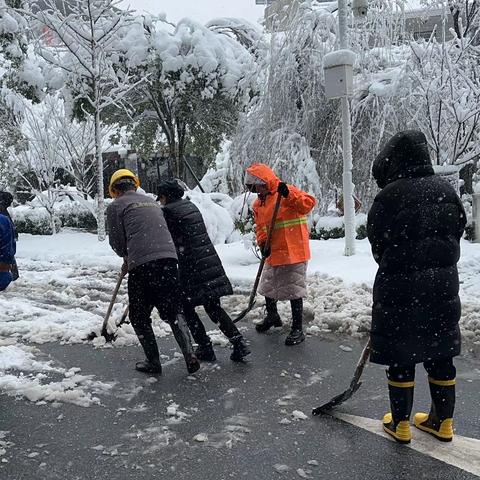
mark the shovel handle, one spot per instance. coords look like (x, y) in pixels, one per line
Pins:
(267, 246)
(274, 219)
(361, 363)
(253, 294)
(112, 302)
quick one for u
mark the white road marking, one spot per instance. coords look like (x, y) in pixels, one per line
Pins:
(462, 452)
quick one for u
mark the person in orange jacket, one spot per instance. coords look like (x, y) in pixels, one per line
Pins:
(285, 274)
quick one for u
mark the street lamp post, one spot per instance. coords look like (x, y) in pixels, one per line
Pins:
(348, 202)
(338, 68)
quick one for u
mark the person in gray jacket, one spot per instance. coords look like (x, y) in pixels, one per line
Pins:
(138, 233)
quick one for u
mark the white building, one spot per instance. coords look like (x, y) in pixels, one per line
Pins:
(419, 22)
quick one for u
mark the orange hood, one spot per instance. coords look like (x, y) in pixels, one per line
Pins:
(266, 174)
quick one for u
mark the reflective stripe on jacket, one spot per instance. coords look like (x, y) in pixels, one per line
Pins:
(290, 240)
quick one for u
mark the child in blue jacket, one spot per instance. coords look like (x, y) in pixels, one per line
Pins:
(7, 251)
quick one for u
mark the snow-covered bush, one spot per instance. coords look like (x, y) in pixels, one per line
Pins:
(75, 215)
(325, 228)
(217, 219)
(35, 220)
(241, 211)
(70, 210)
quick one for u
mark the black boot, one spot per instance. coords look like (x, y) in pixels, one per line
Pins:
(205, 353)
(295, 337)
(296, 334)
(182, 336)
(240, 349)
(397, 422)
(149, 343)
(197, 329)
(439, 422)
(272, 319)
(149, 367)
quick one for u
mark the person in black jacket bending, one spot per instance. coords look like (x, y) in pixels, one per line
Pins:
(202, 276)
(414, 227)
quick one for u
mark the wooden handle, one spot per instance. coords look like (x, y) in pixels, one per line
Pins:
(274, 219)
(112, 301)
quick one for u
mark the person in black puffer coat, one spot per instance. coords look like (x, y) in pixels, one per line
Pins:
(202, 276)
(414, 227)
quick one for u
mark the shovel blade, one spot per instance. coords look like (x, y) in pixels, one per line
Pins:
(109, 337)
(338, 400)
(91, 336)
(244, 313)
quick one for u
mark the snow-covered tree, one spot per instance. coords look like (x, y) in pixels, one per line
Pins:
(465, 15)
(284, 125)
(80, 40)
(39, 163)
(195, 82)
(399, 83)
(440, 95)
(19, 74)
(77, 139)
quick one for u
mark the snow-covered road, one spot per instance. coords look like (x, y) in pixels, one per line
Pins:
(66, 283)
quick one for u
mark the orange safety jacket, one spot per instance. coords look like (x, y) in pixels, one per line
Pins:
(290, 239)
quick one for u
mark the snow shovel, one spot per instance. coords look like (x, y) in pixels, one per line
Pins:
(354, 384)
(251, 301)
(104, 332)
(122, 321)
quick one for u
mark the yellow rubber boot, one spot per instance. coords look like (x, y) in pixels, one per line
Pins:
(442, 431)
(397, 423)
(400, 432)
(439, 422)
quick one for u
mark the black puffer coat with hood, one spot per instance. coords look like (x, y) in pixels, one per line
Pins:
(414, 227)
(202, 276)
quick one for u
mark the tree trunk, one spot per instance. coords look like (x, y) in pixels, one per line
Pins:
(98, 153)
(456, 21)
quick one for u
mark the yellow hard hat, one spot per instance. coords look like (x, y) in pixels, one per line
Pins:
(119, 174)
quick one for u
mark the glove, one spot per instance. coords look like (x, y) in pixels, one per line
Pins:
(283, 189)
(265, 251)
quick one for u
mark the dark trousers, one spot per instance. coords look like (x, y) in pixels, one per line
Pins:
(443, 370)
(297, 311)
(153, 284)
(216, 313)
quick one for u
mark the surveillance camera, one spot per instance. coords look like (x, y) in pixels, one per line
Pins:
(360, 8)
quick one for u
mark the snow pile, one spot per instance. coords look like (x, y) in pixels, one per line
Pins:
(4, 444)
(18, 357)
(175, 415)
(74, 389)
(298, 415)
(33, 382)
(65, 286)
(217, 219)
(201, 437)
(339, 307)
